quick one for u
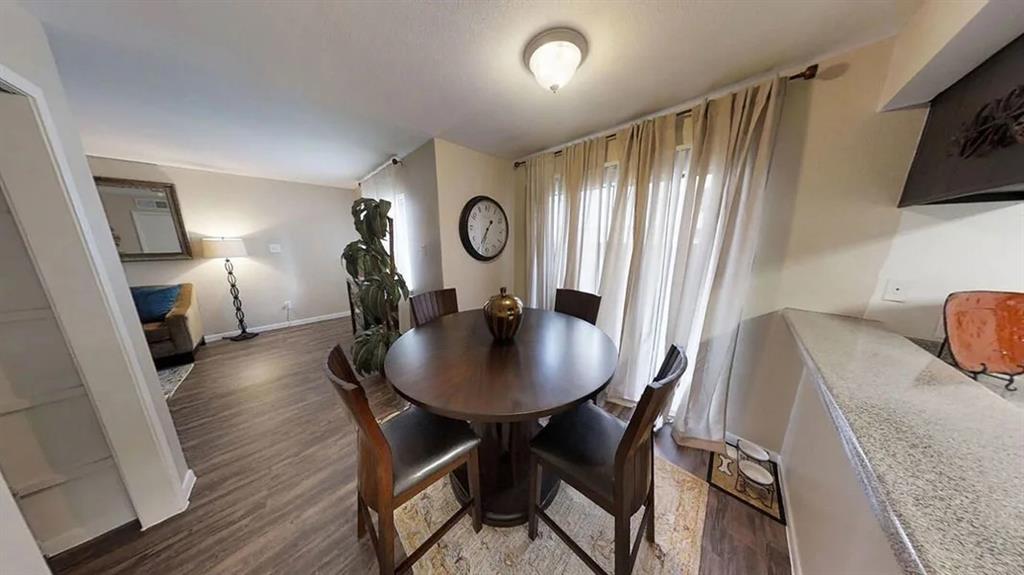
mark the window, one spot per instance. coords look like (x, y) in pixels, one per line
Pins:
(596, 208)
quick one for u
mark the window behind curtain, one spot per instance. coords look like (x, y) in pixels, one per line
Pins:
(595, 225)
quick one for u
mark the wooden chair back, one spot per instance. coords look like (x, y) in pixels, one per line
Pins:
(633, 457)
(579, 304)
(374, 450)
(431, 305)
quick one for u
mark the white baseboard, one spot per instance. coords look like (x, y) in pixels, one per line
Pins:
(794, 554)
(212, 337)
(187, 484)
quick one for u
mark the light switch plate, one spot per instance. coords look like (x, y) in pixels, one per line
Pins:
(895, 291)
(274, 248)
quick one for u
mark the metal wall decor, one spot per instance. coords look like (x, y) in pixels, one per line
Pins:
(997, 124)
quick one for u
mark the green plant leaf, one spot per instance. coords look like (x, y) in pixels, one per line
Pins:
(377, 286)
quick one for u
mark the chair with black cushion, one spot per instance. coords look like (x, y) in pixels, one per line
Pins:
(400, 457)
(608, 461)
(431, 305)
(578, 303)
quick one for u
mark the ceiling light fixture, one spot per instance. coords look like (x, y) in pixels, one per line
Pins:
(554, 55)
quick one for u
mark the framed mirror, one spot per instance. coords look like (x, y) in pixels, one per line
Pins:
(144, 219)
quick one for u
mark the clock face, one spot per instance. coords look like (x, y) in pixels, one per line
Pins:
(483, 228)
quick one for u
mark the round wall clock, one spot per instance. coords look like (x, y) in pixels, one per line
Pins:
(483, 228)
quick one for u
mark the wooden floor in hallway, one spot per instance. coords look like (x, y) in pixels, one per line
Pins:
(274, 453)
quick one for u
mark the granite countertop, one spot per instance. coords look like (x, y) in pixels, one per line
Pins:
(940, 457)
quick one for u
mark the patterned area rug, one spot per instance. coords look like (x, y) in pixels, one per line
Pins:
(171, 378)
(681, 502)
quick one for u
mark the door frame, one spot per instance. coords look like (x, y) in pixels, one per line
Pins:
(122, 386)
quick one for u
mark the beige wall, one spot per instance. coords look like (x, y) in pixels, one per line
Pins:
(833, 237)
(928, 32)
(836, 178)
(461, 174)
(942, 249)
(311, 223)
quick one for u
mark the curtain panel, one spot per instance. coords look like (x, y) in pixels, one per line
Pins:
(662, 222)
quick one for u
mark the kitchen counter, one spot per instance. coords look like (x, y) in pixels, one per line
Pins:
(939, 457)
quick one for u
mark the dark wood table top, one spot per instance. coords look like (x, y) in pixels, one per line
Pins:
(453, 367)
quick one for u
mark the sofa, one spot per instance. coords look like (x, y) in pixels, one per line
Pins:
(172, 340)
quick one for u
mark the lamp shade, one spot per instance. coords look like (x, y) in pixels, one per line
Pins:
(224, 248)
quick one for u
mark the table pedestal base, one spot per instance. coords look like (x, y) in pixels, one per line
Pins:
(504, 473)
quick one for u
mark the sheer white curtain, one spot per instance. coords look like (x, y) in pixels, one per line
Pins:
(666, 241)
(570, 201)
(733, 141)
(545, 231)
(589, 188)
(651, 170)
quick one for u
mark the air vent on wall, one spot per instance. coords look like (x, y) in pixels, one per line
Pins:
(150, 204)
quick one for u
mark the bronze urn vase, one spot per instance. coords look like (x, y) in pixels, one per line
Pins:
(503, 314)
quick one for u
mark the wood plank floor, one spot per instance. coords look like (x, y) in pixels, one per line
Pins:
(274, 454)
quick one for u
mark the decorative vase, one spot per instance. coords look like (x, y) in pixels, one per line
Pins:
(503, 314)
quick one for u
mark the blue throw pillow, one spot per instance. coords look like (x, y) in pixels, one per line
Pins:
(154, 302)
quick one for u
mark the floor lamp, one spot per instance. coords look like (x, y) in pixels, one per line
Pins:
(228, 248)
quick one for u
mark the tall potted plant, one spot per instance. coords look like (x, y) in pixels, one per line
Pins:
(378, 285)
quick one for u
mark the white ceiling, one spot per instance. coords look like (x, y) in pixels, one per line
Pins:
(323, 92)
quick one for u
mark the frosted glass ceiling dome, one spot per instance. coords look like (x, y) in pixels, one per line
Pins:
(554, 56)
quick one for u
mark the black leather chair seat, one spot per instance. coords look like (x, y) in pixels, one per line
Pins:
(583, 443)
(421, 443)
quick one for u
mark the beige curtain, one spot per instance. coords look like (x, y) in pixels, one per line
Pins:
(569, 201)
(733, 141)
(545, 227)
(651, 171)
(590, 195)
(667, 242)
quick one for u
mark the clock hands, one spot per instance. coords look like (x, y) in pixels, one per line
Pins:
(483, 240)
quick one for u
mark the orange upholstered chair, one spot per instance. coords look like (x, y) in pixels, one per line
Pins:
(985, 332)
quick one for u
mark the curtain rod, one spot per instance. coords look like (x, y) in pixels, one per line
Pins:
(808, 73)
(394, 161)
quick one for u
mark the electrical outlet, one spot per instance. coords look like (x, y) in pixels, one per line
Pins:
(895, 291)
(274, 248)
(287, 304)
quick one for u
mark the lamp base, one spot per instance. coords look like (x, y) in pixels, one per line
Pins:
(244, 336)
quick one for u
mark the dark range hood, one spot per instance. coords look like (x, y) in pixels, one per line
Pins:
(972, 148)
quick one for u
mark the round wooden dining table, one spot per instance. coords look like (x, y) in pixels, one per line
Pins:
(453, 367)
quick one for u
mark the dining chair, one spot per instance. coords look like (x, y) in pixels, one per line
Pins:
(578, 303)
(400, 457)
(609, 462)
(431, 305)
